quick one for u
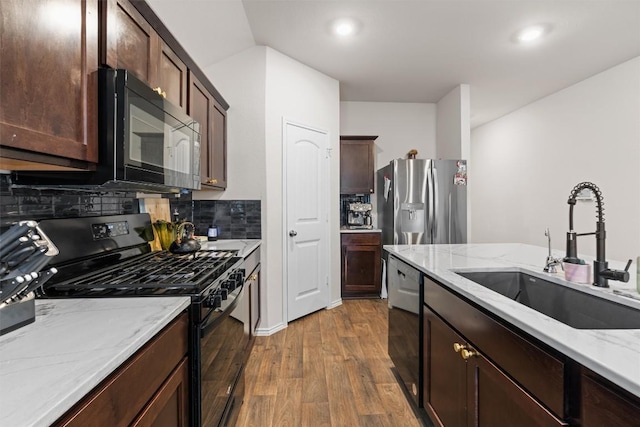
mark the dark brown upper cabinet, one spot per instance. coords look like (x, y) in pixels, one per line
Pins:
(357, 164)
(213, 135)
(48, 82)
(129, 41)
(172, 77)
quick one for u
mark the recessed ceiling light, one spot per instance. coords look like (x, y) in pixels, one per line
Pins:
(344, 27)
(532, 33)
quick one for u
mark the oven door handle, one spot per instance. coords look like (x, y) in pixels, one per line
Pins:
(206, 326)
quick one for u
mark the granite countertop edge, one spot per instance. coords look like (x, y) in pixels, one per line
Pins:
(613, 353)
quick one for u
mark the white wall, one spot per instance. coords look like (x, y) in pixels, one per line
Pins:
(303, 95)
(241, 81)
(453, 124)
(262, 87)
(399, 127)
(526, 163)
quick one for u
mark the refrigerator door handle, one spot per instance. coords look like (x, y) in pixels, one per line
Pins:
(436, 199)
(429, 228)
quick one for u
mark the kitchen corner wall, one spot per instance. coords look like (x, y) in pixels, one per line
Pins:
(526, 163)
(264, 86)
(399, 126)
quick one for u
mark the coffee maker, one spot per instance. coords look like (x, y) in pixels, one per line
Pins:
(359, 216)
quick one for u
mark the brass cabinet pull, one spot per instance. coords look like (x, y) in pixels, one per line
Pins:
(466, 354)
(457, 347)
(160, 91)
(254, 276)
(212, 181)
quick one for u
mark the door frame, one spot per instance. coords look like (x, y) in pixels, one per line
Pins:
(326, 235)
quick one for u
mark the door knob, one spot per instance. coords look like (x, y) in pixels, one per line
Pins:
(293, 233)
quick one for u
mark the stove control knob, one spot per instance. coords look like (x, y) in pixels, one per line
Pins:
(229, 285)
(213, 301)
(222, 292)
(238, 277)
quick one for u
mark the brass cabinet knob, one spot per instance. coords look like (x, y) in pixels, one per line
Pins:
(457, 347)
(212, 181)
(254, 276)
(160, 91)
(466, 354)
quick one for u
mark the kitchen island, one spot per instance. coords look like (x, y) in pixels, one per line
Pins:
(74, 344)
(613, 354)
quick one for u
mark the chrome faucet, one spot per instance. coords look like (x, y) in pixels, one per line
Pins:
(551, 263)
(601, 273)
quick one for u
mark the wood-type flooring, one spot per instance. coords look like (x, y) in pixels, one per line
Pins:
(330, 368)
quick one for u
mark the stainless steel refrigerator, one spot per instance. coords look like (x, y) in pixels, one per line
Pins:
(421, 201)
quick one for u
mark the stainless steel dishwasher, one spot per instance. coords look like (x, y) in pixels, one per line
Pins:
(405, 325)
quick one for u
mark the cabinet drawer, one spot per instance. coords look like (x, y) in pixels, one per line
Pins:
(539, 372)
(361, 239)
(119, 399)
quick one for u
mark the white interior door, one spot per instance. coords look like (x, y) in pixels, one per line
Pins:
(306, 199)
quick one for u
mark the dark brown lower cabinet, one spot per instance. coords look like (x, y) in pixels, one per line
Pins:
(361, 265)
(150, 389)
(605, 405)
(479, 371)
(463, 388)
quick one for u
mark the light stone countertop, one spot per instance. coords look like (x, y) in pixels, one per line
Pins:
(244, 247)
(614, 354)
(48, 366)
(360, 230)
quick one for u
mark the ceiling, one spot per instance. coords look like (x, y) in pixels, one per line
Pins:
(419, 50)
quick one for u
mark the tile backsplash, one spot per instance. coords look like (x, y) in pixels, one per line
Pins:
(18, 204)
(236, 219)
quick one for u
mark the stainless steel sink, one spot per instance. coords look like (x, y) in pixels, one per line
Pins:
(571, 307)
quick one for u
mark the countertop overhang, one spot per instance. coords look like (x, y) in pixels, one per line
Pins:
(612, 353)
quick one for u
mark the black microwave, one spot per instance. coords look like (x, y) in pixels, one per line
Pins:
(145, 141)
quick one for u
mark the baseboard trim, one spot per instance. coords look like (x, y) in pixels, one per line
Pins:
(265, 332)
(334, 304)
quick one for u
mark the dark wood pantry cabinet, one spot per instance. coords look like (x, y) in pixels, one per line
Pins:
(48, 82)
(357, 164)
(361, 265)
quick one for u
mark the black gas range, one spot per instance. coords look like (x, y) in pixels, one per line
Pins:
(110, 257)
